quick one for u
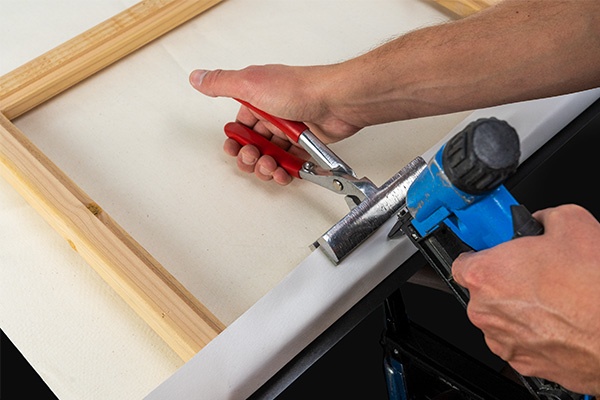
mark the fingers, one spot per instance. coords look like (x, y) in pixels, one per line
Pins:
(505, 351)
(553, 218)
(265, 168)
(281, 177)
(249, 160)
(217, 83)
(480, 271)
(246, 117)
(462, 271)
(196, 79)
(246, 84)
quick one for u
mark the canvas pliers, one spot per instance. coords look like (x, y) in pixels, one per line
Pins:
(327, 170)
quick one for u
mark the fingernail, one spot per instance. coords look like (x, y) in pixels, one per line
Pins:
(265, 171)
(248, 160)
(197, 76)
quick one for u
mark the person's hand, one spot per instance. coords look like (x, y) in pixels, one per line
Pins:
(296, 93)
(537, 299)
(435, 70)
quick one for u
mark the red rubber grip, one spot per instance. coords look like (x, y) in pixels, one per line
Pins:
(292, 129)
(244, 135)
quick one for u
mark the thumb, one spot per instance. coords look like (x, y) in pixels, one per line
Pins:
(216, 83)
(461, 267)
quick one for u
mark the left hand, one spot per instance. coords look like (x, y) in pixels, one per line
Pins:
(537, 299)
(306, 94)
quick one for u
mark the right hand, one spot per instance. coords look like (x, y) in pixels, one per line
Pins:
(536, 298)
(294, 93)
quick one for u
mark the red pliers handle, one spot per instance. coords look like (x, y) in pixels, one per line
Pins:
(331, 172)
(292, 129)
(244, 136)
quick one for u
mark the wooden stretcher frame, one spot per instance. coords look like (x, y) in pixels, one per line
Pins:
(174, 313)
(464, 8)
(165, 305)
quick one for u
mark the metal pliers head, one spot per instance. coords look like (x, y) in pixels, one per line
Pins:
(325, 169)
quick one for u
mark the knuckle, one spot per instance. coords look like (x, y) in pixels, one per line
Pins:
(211, 80)
(478, 318)
(523, 367)
(470, 276)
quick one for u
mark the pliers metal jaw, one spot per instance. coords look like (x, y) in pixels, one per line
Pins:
(355, 189)
(332, 172)
(370, 206)
(325, 169)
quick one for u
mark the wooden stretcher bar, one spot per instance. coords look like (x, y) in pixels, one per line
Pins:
(183, 322)
(64, 66)
(464, 8)
(175, 314)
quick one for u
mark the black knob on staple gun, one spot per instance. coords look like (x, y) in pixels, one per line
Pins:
(458, 203)
(480, 158)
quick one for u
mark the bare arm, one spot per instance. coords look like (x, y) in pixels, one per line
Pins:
(517, 50)
(514, 51)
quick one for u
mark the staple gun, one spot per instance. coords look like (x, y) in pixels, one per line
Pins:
(454, 203)
(458, 203)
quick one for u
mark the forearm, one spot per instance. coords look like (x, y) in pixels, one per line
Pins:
(517, 50)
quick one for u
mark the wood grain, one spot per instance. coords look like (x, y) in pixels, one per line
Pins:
(64, 66)
(183, 322)
(180, 319)
(464, 8)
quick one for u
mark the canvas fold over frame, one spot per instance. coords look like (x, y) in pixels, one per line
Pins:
(170, 309)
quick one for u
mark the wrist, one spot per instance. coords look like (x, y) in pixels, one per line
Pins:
(356, 91)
